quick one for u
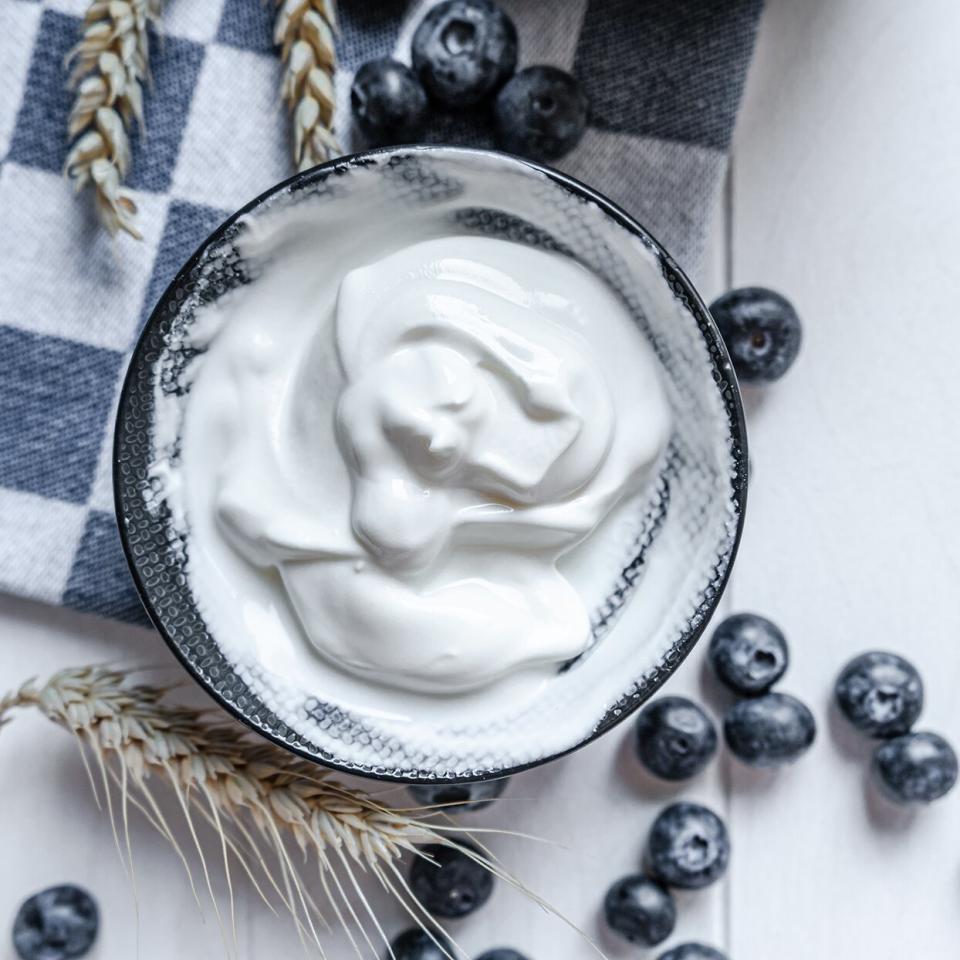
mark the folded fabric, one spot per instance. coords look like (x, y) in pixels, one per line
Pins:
(664, 81)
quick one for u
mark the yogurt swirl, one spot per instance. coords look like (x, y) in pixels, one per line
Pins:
(416, 493)
(464, 408)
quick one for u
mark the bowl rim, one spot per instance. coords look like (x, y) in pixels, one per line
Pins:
(672, 272)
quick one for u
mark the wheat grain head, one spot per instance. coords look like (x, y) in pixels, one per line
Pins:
(304, 31)
(109, 65)
(264, 804)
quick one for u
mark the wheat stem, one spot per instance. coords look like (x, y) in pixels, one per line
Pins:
(304, 31)
(109, 66)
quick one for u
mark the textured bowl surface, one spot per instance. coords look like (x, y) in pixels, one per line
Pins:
(682, 539)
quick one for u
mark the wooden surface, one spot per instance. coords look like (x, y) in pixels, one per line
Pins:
(844, 195)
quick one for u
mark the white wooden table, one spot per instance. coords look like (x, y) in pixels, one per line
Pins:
(843, 194)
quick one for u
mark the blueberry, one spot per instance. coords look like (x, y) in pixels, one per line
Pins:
(55, 924)
(692, 951)
(415, 944)
(464, 50)
(458, 797)
(769, 731)
(541, 114)
(640, 910)
(881, 694)
(388, 102)
(688, 846)
(748, 653)
(761, 330)
(675, 738)
(915, 768)
(453, 887)
(502, 953)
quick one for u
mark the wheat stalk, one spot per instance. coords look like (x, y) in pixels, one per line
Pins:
(110, 64)
(304, 31)
(260, 800)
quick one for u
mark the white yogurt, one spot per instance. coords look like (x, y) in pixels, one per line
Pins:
(385, 462)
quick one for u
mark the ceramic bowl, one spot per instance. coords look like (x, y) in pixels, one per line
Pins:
(678, 543)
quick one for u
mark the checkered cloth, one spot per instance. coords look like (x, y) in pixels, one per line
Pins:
(664, 78)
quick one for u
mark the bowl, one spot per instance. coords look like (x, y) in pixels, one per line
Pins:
(675, 549)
